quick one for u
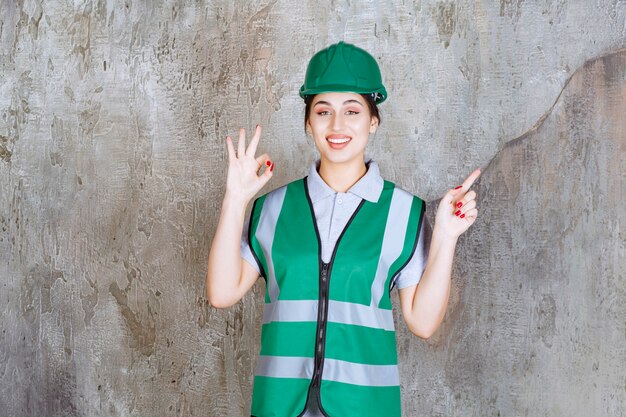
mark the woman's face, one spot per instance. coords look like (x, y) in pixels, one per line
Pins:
(340, 124)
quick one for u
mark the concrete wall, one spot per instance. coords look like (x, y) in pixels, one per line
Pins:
(112, 168)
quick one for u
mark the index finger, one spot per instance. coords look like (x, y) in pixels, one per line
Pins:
(254, 142)
(470, 180)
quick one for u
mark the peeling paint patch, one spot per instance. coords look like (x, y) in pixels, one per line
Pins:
(511, 8)
(546, 314)
(89, 118)
(33, 25)
(89, 302)
(143, 336)
(5, 153)
(445, 16)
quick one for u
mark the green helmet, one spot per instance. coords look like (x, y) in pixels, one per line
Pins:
(343, 67)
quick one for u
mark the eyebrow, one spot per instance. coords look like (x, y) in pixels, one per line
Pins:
(345, 102)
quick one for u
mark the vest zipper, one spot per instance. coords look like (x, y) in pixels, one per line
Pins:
(322, 310)
(313, 403)
(322, 316)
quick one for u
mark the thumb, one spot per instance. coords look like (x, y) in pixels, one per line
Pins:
(452, 194)
(267, 174)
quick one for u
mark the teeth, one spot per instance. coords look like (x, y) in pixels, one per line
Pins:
(344, 140)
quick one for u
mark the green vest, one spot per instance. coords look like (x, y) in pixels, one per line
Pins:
(328, 332)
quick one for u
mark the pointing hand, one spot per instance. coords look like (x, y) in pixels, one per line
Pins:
(457, 210)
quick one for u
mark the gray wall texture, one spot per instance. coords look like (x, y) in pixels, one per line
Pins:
(113, 118)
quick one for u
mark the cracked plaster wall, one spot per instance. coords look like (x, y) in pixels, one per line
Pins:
(112, 160)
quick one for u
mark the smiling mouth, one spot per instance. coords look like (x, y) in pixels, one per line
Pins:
(339, 141)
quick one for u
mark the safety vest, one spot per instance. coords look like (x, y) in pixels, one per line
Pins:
(328, 333)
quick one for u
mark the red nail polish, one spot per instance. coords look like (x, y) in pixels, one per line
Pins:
(458, 212)
(459, 204)
(462, 215)
(268, 163)
(456, 188)
(272, 168)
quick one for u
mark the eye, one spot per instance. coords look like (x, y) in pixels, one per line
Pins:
(352, 112)
(323, 112)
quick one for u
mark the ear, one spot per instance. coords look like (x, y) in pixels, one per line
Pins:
(308, 129)
(373, 124)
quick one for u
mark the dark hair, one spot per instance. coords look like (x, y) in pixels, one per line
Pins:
(369, 99)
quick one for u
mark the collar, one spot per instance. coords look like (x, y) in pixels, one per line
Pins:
(369, 187)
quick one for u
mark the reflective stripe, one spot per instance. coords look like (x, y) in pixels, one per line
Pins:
(285, 367)
(360, 374)
(393, 240)
(353, 313)
(338, 312)
(290, 310)
(334, 370)
(418, 252)
(265, 234)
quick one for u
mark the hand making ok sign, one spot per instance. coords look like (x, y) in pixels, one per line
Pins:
(457, 210)
(243, 180)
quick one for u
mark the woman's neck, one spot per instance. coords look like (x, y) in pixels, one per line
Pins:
(340, 177)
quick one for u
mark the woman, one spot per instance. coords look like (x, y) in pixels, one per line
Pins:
(331, 247)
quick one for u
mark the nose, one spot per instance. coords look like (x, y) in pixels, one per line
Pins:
(337, 121)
